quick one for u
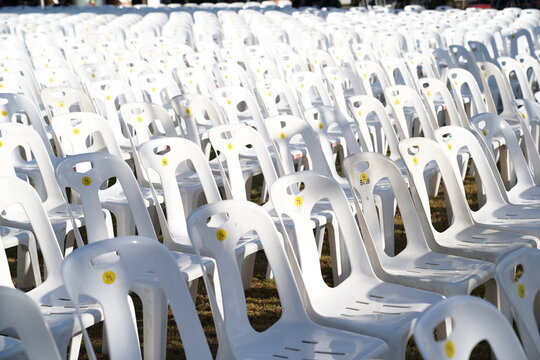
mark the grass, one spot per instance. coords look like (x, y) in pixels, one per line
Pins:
(263, 305)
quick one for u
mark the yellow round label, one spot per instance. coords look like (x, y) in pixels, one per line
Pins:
(86, 181)
(298, 201)
(76, 131)
(449, 146)
(164, 162)
(359, 113)
(230, 146)
(449, 349)
(521, 290)
(1, 143)
(51, 80)
(109, 277)
(397, 102)
(523, 115)
(61, 104)
(5, 113)
(93, 75)
(153, 89)
(484, 132)
(221, 234)
(282, 135)
(140, 118)
(321, 126)
(1, 86)
(108, 97)
(335, 78)
(364, 179)
(188, 111)
(302, 85)
(415, 160)
(269, 93)
(428, 93)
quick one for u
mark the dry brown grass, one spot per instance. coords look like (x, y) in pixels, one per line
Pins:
(263, 304)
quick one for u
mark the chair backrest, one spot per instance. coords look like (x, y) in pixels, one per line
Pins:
(294, 197)
(79, 132)
(219, 238)
(107, 270)
(16, 192)
(491, 126)
(516, 276)
(195, 81)
(472, 320)
(61, 100)
(283, 130)
(368, 71)
(433, 91)
(108, 96)
(512, 68)
(233, 141)
(21, 317)
(97, 170)
(239, 105)
(364, 171)
(399, 97)
(310, 89)
(504, 94)
(20, 108)
(461, 80)
(277, 97)
(167, 157)
(145, 119)
(157, 88)
(13, 136)
(417, 153)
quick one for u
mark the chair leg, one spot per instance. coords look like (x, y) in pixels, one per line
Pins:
(246, 267)
(75, 347)
(155, 310)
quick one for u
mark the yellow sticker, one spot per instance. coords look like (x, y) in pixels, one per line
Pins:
(428, 93)
(140, 118)
(484, 132)
(230, 146)
(415, 160)
(5, 113)
(221, 234)
(449, 146)
(76, 131)
(298, 201)
(321, 126)
(449, 349)
(397, 102)
(229, 102)
(302, 86)
(1, 86)
(335, 78)
(225, 76)
(523, 115)
(188, 111)
(93, 75)
(109, 277)
(86, 181)
(190, 82)
(108, 97)
(51, 80)
(359, 113)
(364, 179)
(153, 89)
(1, 143)
(365, 75)
(164, 162)
(282, 135)
(269, 93)
(456, 83)
(521, 290)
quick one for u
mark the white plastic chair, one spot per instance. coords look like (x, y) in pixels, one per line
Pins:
(472, 321)
(61, 100)
(36, 341)
(419, 260)
(92, 271)
(294, 336)
(523, 190)
(51, 296)
(516, 274)
(361, 302)
(465, 236)
(15, 135)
